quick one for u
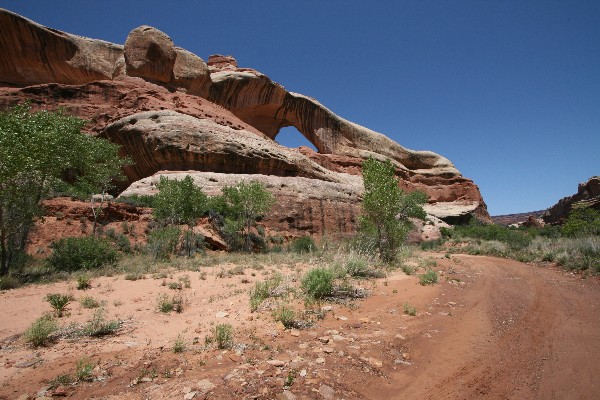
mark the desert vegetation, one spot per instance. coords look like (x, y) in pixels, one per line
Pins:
(574, 246)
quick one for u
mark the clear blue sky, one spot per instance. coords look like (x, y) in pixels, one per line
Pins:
(509, 91)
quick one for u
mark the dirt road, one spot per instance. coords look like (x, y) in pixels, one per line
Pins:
(522, 332)
(490, 329)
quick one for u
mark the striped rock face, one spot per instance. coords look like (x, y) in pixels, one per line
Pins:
(171, 111)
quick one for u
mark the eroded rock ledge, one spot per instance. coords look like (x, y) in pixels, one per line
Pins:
(170, 110)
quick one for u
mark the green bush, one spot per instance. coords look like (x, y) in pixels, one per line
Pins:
(84, 369)
(263, 290)
(410, 309)
(76, 253)
(162, 242)
(8, 282)
(164, 303)
(179, 201)
(39, 333)
(516, 239)
(582, 221)
(179, 345)
(357, 267)
(428, 278)
(99, 326)
(84, 282)
(285, 315)
(304, 244)
(223, 336)
(318, 283)
(59, 302)
(89, 302)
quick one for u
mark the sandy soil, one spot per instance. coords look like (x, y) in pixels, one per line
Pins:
(492, 328)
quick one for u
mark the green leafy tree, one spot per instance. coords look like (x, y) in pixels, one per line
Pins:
(387, 208)
(179, 201)
(40, 153)
(582, 221)
(245, 203)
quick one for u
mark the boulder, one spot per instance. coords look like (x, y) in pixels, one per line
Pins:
(150, 54)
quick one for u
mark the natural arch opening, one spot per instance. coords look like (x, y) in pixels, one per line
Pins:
(289, 136)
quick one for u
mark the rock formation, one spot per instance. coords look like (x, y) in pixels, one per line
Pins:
(172, 111)
(588, 195)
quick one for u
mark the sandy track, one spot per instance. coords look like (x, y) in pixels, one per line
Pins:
(492, 329)
(524, 333)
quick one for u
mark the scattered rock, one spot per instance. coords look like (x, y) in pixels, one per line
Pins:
(189, 395)
(327, 392)
(276, 363)
(29, 363)
(373, 362)
(222, 314)
(205, 386)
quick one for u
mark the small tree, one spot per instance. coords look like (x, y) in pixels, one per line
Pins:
(40, 153)
(582, 221)
(179, 201)
(387, 208)
(246, 202)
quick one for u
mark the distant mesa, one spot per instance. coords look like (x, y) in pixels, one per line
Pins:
(172, 111)
(588, 195)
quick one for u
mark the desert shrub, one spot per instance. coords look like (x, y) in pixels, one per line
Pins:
(516, 239)
(410, 309)
(8, 282)
(164, 303)
(179, 345)
(39, 333)
(162, 242)
(359, 268)
(582, 221)
(121, 241)
(59, 302)
(133, 276)
(89, 302)
(318, 283)
(408, 269)
(83, 370)
(84, 282)
(76, 253)
(223, 336)
(99, 326)
(285, 315)
(304, 244)
(186, 281)
(263, 290)
(428, 278)
(431, 244)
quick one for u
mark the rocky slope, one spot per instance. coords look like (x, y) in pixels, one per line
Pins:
(172, 111)
(588, 195)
